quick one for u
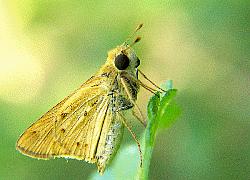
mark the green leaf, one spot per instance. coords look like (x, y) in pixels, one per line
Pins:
(162, 112)
(168, 110)
(152, 114)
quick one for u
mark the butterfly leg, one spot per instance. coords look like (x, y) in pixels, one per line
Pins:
(133, 135)
(144, 122)
(150, 89)
(134, 103)
(147, 87)
(150, 81)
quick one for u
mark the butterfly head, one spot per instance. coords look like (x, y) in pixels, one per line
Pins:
(123, 58)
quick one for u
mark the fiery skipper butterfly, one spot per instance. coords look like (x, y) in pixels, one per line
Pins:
(88, 124)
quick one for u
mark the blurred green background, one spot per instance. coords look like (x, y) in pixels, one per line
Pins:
(48, 48)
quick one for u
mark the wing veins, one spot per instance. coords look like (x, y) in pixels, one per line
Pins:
(74, 125)
(72, 113)
(30, 137)
(102, 124)
(97, 144)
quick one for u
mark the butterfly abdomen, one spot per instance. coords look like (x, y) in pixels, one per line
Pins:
(111, 145)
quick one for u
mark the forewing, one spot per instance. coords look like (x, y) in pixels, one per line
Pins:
(71, 128)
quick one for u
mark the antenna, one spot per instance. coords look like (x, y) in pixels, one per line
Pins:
(131, 35)
(138, 38)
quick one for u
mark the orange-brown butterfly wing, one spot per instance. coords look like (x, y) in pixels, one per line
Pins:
(71, 128)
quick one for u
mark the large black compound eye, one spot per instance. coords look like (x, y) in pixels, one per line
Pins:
(121, 61)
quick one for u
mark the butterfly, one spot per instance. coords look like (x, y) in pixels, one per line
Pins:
(88, 124)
